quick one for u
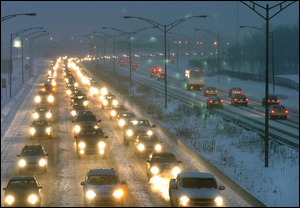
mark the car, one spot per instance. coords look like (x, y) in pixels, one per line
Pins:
(155, 70)
(33, 157)
(145, 145)
(40, 128)
(108, 100)
(214, 101)
(273, 100)
(123, 118)
(80, 100)
(210, 91)
(103, 187)
(161, 76)
(195, 189)
(239, 99)
(44, 97)
(49, 88)
(73, 91)
(77, 108)
(23, 191)
(235, 90)
(278, 111)
(163, 164)
(42, 112)
(115, 110)
(85, 119)
(135, 127)
(91, 141)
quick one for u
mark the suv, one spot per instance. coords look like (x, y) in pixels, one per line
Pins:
(146, 145)
(33, 157)
(135, 127)
(164, 164)
(91, 141)
(23, 191)
(195, 190)
(103, 187)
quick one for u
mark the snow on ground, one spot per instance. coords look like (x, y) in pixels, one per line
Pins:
(237, 152)
(294, 77)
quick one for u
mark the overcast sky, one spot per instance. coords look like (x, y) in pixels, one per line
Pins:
(71, 18)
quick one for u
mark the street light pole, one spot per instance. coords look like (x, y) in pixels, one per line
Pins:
(165, 28)
(267, 9)
(14, 15)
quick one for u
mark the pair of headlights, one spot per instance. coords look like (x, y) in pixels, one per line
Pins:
(129, 132)
(33, 131)
(32, 199)
(118, 194)
(114, 102)
(141, 147)
(101, 145)
(155, 171)
(23, 163)
(36, 115)
(184, 201)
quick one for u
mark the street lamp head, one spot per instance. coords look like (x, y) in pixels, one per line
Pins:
(127, 17)
(202, 16)
(243, 26)
(104, 28)
(31, 14)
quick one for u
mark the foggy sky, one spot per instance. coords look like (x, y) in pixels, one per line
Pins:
(66, 19)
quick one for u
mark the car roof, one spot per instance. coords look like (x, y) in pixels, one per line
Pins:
(235, 88)
(33, 147)
(240, 95)
(102, 172)
(138, 119)
(42, 107)
(163, 154)
(195, 175)
(214, 97)
(273, 96)
(18, 178)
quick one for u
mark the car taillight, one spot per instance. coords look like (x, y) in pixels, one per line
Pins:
(269, 100)
(235, 99)
(210, 101)
(207, 91)
(247, 99)
(222, 101)
(241, 92)
(272, 111)
(277, 101)
(216, 91)
(200, 88)
(286, 111)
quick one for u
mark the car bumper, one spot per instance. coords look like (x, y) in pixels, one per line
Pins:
(106, 201)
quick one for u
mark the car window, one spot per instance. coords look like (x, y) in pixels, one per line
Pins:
(139, 123)
(103, 180)
(127, 115)
(279, 107)
(86, 118)
(22, 184)
(110, 97)
(199, 183)
(32, 152)
(164, 159)
(97, 133)
(42, 109)
(119, 107)
(40, 123)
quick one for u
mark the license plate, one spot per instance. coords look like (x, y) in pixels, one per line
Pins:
(241, 100)
(217, 102)
(211, 91)
(273, 100)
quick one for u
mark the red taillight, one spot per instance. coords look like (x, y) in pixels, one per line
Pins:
(272, 111)
(235, 99)
(277, 101)
(207, 91)
(241, 92)
(269, 100)
(211, 101)
(286, 111)
(247, 99)
(216, 91)
(200, 88)
(222, 101)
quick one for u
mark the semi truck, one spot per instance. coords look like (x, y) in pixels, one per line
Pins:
(195, 79)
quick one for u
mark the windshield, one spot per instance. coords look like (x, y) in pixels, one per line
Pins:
(109, 97)
(42, 109)
(103, 180)
(86, 118)
(119, 107)
(164, 159)
(95, 134)
(22, 184)
(139, 123)
(44, 93)
(40, 123)
(279, 107)
(127, 115)
(199, 183)
(33, 152)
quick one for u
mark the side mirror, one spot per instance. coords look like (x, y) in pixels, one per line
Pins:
(123, 183)
(148, 161)
(106, 137)
(40, 187)
(73, 121)
(179, 162)
(47, 154)
(18, 155)
(99, 121)
(161, 142)
(76, 137)
(83, 183)
(221, 188)
(153, 126)
(4, 189)
(173, 184)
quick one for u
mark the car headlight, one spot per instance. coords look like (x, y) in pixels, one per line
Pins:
(90, 194)
(219, 201)
(50, 99)
(81, 152)
(105, 102)
(118, 194)
(129, 132)
(36, 116)
(82, 145)
(155, 170)
(101, 152)
(121, 123)
(69, 92)
(53, 83)
(77, 129)
(9, 200)
(184, 201)
(48, 130)
(32, 131)
(32, 199)
(38, 99)
(101, 145)
(101, 97)
(113, 113)
(22, 163)
(176, 171)
(42, 162)
(76, 84)
(115, 102)
(73, 113)
(149, 133)
(141, 147)
(104, 91)
(158, 147)
(85, 103)
(48, 115)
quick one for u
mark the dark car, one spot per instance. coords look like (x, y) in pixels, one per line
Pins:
(161, 76)
(44, 97)
(239, 99)
(109, 100)
(77, 108)
(210, 91)
(135, 127)
(103, 187)
(273, 100)
(164, 164)
(85, 119)
(123, 118)
(49, 88)
(145, 145)
(234, 91)
(80, 100)
(91, 141)
(214, 101)
(42, 112)
(115, 110)
(278, 111)
(33, 157)
(23, 191)
(40, 128)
